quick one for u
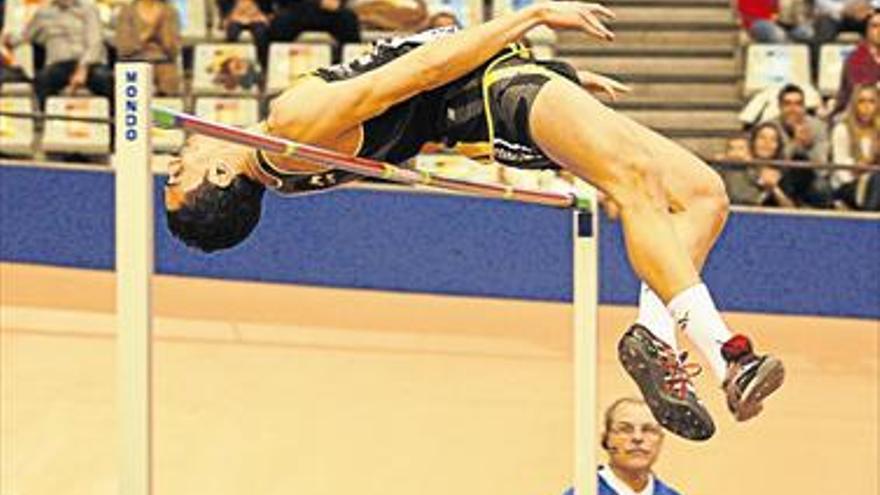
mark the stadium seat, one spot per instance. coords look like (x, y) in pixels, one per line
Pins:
(773, 64)
(289, 60)
(832, 58)
(16, 135)
(168, 140)
(225, 69)
(62, 136)
(240, 112)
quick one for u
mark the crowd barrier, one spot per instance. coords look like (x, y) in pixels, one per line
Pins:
(382, 239)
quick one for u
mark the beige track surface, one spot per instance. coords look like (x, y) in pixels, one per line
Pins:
(270, 389)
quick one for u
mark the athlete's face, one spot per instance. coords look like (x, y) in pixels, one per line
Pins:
(634, 438)
(202, 158)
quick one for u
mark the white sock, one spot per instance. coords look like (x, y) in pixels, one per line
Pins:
(696, 315)
(655, 316)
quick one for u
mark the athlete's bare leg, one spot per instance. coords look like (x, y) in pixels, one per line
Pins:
(672, 205)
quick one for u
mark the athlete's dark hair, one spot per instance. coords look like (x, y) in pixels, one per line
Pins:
(214, 217)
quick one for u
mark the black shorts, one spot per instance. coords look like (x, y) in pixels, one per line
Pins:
(511, 86)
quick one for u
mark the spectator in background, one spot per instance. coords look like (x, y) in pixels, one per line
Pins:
(806, 137)
(738, 148)
(150, 30)
(862, 66)
(739, 180)
(443, 17)
(70, 30)
(856, 141)
(767, 143)
(248, 15)
(332, 16)
(632, 438)
(835, 16)
(764, 105)
(776, 21)
(757, 185)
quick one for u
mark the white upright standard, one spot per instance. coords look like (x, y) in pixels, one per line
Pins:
(134, 269)
(585, 239)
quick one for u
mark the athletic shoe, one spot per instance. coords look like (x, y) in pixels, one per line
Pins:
(750, 378)
(665, 381)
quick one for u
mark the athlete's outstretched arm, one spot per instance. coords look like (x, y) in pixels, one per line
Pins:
(331, 109)
(450, 58)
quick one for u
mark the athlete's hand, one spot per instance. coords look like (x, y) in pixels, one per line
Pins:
(583, 16)
(596, 83)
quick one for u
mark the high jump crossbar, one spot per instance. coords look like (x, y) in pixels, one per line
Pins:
(172, 119)
(134, 265)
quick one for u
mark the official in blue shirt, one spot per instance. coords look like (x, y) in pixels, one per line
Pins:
(633, 439)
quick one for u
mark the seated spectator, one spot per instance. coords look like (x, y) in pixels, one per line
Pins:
(248, 15)
(836, 16)
(738, 149)
(633, 439)
(332, 16)
(70, 30)
(443, 17)
(856, 141)
(769, 22)
(767, 144)
(739, 180)
(806, 137)
(150, 30)
(862, 66)
(764, 105)
(757, 185)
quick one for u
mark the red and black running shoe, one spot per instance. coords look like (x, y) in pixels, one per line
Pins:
(665, 381)
(750, 377)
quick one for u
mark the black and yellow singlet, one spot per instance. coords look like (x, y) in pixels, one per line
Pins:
(483, 114)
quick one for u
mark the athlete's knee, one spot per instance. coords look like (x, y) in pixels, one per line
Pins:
(710, 194)
(636, 180)
(720, 199)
